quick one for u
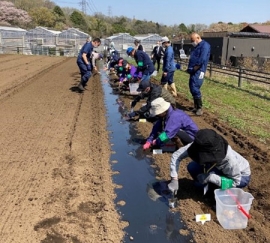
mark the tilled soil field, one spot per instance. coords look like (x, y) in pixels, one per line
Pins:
(56, 183)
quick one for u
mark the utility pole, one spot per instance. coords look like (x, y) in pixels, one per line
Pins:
(83, 3)
(109, 11)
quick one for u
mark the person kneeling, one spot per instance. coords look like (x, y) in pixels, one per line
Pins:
(172, 124)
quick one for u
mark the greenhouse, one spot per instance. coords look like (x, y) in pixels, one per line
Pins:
(12, 39)
(72, 36)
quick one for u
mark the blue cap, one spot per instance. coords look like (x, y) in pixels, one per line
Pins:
(129, 50)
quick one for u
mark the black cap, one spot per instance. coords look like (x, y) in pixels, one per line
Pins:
(143, 85)
(208, 147)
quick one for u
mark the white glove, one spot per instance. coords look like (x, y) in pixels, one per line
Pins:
(204, 178)
(201, 75)
(173, 185)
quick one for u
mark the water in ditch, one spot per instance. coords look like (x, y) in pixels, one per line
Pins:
(147, 213)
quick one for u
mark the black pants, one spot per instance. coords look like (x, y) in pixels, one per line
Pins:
(157, 59)
(181, 139)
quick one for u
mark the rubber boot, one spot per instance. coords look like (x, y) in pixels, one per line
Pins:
(174, 92)
(165, 86)
(81, 85)
(199, 111)
(194, 110)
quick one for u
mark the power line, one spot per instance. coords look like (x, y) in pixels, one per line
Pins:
(96, 10)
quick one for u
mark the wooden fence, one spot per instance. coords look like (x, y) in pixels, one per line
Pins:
(240, 73)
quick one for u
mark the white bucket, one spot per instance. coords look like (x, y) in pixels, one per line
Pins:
(133, 88)
(228, 212)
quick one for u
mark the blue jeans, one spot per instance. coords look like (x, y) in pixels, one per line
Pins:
(195, 84)
(85, 74)
(195, 169)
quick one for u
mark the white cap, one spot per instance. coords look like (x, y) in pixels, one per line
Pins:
(164, 39)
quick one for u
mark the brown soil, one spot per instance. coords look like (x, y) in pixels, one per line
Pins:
(56, 183)
(191, 201)
(55, 175)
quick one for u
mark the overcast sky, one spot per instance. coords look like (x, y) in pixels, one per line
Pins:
(176, 11)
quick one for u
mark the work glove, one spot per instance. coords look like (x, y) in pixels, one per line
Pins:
(88, 67)
(133, 103)
(132, 114)
(212, 178)
(147, 145)
(203, 178)
(147, 114)
(201, 75)
(173, 185)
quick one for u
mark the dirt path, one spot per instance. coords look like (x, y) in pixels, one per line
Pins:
(55, 177)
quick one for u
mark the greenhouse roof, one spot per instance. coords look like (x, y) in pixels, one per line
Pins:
(75, 30)
(7, 28)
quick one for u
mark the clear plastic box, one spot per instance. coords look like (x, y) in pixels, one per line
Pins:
(227, 209)
(133, 88)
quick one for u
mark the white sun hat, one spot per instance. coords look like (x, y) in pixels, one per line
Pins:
(158, 106)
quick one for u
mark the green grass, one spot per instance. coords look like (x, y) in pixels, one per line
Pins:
(246, 108)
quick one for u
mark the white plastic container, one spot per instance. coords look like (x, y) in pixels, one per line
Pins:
(227, 209)
(133, 88)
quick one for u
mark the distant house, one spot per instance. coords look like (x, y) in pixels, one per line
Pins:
(256, 28)
(228, 48)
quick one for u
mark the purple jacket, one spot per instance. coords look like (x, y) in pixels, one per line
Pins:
(173, 122)
(132, 71)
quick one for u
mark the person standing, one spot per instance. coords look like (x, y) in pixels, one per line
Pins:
(156, 55)
(197, 66)
(168, 66)
(84, 61)
(143, 61)
(138, 45)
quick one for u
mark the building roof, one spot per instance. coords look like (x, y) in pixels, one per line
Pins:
(7, 28)
(74, 30)
(54, 32)
(249, 35)
(257, 28)
(118, 35)
(145, 36)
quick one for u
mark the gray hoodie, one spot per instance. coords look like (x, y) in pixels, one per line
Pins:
(233, 166)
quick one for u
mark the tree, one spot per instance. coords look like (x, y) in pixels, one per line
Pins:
(77, 18)
(57, 10)
(59, 14)
(182, 28)
(12, 15)
(43, 17)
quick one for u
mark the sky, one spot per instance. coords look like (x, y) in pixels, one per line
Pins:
(175, 12)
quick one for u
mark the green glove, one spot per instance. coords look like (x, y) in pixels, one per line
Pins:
(226, 183)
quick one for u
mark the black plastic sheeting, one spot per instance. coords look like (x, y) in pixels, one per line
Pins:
(146, 204)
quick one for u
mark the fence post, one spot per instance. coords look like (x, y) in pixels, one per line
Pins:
(240, 77)
(211, 69)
